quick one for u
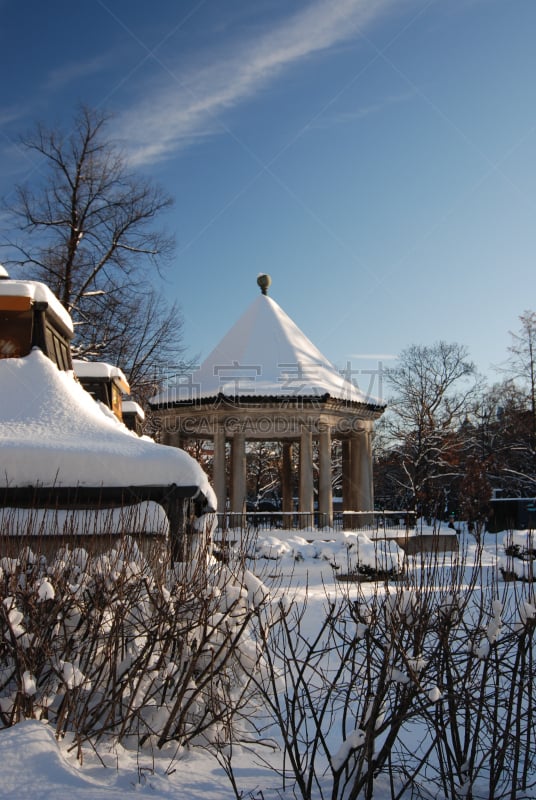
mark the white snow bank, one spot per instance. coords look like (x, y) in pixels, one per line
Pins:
(524, 540)
(518, 559)
(354, 551)
(53, 433)
(523, 570)
(35, 765)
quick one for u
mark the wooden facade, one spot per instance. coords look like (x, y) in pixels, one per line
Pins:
(26, 323)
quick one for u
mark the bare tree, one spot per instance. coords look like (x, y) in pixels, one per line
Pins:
(432, 389)
(86, 227)
(502, 438)
(264, 473)
(522, 361)
(506, 416)
(140, 333)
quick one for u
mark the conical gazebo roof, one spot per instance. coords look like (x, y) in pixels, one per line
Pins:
(265, 355)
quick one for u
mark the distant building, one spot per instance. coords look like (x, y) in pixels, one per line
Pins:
(512, 513)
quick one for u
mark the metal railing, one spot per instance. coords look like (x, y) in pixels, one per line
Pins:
(377, 521)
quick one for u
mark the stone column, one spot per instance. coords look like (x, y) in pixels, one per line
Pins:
(352, 475)
(361, 476)
(365, 486)
(346, 485)
(306, 478)
(356, 442)
(325, 492)
(169, 435)
(286, 485)
(238, 496)
(219, 473)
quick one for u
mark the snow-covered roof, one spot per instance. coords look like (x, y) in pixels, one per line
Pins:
(100, 370)
(265, 355)
(97, 369)
(131, 407)
(38, 293)
(52, 433)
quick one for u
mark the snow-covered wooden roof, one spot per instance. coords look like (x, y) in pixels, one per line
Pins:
(265, 355)
(101, 371)
(37, 293)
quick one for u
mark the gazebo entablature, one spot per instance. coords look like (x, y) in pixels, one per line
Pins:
(288, 420)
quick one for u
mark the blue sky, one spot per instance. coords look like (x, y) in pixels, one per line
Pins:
(376, 157)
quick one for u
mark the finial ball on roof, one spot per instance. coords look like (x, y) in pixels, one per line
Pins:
(264, 282)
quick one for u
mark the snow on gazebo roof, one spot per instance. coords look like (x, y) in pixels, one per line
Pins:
(53, 433)
(265, 355)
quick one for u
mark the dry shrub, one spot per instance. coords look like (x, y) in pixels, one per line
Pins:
(421, 688)
(127, 646)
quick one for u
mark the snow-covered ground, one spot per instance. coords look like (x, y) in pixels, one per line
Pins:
(35, 765)
(52, 433)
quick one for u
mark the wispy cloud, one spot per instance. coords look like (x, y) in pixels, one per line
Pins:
(77, 70)
(11, 114)
(56, 80)
(362, 112)
(186, 106)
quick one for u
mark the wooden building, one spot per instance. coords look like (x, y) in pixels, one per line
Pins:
(32, 316)
(60, 451)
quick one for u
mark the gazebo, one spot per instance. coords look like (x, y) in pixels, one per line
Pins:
(267, 381)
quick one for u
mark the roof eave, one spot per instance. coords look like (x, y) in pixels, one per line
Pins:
(233, 400)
